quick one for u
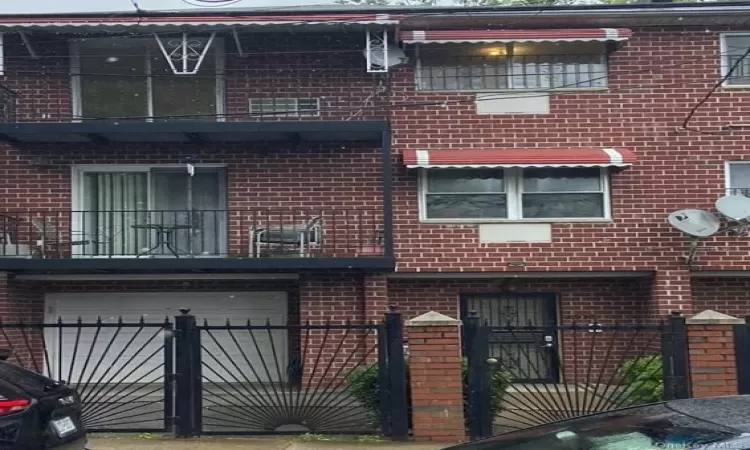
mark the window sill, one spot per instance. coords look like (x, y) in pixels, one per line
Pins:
(735, 86)
(525, 90)
(511, 221)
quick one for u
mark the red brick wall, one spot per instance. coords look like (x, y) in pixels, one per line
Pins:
(642, 110)
(725, 295)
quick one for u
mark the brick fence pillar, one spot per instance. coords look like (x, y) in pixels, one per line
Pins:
(436, 383)
(711, 354)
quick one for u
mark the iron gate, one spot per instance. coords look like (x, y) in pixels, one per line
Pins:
(246, 379)
(122, 370)
(600, 367)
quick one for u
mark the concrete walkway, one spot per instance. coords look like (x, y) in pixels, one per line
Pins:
(221, 443)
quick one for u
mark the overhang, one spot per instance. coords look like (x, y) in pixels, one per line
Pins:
(495, 36)
(196, 132)
(572, 157)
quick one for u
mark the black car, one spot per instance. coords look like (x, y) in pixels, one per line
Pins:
(37, 412)
(706, 423)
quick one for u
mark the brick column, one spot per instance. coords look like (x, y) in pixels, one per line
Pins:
(711, 354)
(375, 297)
(670, 291)
(436, 383)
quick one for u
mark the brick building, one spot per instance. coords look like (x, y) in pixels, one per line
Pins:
(518, 162)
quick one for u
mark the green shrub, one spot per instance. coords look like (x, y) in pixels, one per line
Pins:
(644, 380)
(362, 382)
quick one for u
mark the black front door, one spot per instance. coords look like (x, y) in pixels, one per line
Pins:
(523, 334)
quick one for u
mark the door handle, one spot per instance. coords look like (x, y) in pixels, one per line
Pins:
(549, 342)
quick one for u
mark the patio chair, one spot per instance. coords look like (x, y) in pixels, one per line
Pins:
(47, 234)
(8, 234)
(298, 237)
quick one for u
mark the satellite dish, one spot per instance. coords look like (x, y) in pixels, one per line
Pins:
(736, 207)
(695, 222)
(396, 56)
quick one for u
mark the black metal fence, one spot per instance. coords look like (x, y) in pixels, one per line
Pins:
(564, 371)
(121, 370)
(246, 379)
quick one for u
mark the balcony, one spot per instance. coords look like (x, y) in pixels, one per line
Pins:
(291, 239)
(253, 105)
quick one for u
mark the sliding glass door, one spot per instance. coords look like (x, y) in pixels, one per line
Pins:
(150, 212)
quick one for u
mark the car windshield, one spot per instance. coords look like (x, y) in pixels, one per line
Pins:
(629, 430)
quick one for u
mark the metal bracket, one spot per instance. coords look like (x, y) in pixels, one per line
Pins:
(27, 43)
(237, 42)
(377, 51)
(188, 52)
(692, 249)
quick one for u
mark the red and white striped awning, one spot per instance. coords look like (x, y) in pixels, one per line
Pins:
(489, 36)
(578, 157)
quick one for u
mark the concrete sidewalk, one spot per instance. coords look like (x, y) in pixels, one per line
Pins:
(222, 443)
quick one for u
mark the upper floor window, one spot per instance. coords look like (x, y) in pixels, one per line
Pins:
(117, 78)
(542, 65)
(738, 178)
(514, 194)
(734, 46)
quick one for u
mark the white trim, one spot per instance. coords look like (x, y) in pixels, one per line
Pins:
(728, 173)
(75, 76)
(615, 157)
(723, 63)
(513, 190)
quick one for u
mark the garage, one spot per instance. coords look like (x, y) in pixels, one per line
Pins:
(135, 354)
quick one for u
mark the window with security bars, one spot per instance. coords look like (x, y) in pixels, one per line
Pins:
(285, 107)
(735, 46)
(472, 67)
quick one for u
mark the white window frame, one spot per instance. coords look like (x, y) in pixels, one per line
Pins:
(513, 190)
(418, 80)
(724, 64)
(78, 190)
(728, 174)
(76, 92)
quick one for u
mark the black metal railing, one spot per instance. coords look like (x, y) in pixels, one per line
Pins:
(472, 73)
(8, 100)
(565, 371)
(252, 95)
(253, 233)
(738, 191)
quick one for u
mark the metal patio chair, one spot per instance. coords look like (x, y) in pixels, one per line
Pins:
(297, 237)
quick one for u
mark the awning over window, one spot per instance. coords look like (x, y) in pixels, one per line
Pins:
(487, 36)
(579, 157)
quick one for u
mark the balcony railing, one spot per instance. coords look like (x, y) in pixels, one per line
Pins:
(257, 233)
(254, 95)
(8, 100)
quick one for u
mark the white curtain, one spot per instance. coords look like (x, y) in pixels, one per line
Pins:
(113, 203)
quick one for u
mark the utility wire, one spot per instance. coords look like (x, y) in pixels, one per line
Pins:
(709, 94)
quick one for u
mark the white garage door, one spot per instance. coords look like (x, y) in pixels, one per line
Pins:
(135, 355)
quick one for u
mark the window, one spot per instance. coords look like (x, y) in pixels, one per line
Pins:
(738, 178)
(130, 78)
(734, 46)
(471, 67)
(285, 107)
(514, 194)
(122, 211)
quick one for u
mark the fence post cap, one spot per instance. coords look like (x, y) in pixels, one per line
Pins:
(432, 318)
(711, 317)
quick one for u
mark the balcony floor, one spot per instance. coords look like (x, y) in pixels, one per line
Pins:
(191, 132)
